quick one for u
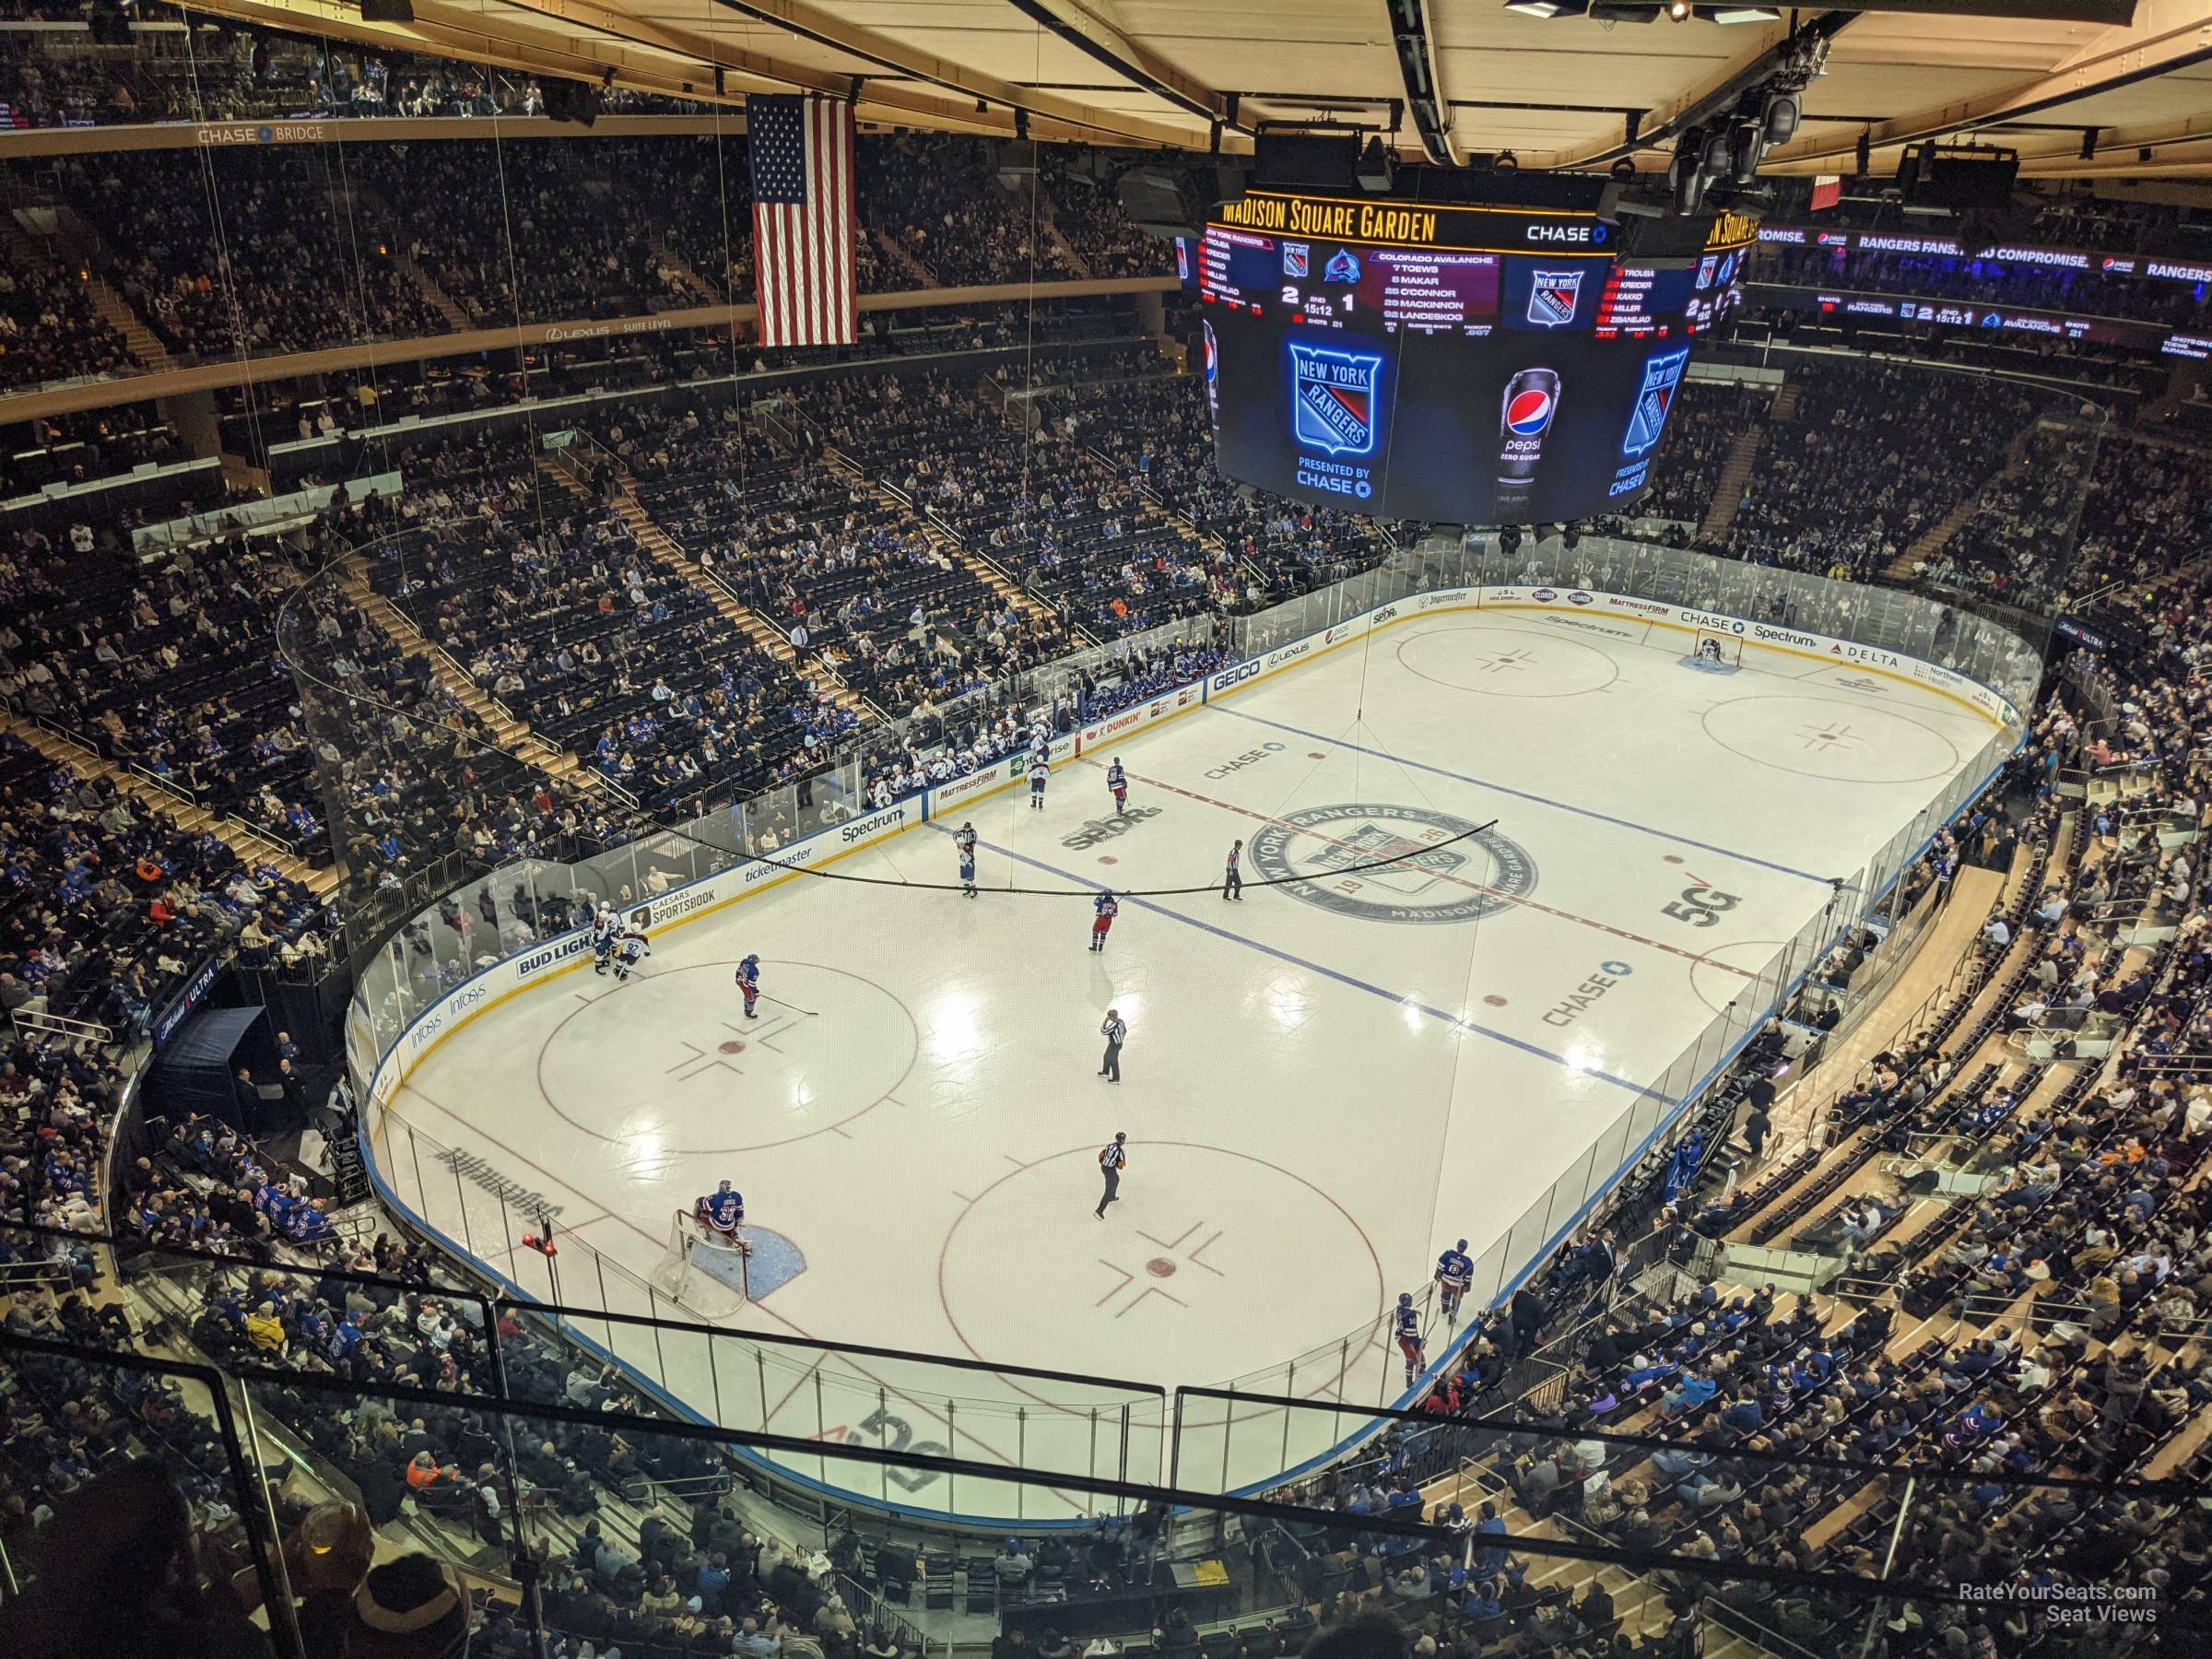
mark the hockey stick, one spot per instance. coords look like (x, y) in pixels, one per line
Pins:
(782, 1003)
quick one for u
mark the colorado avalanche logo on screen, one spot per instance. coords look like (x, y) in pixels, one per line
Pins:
(1332, 399)
(1295, 257)
(1654, 399)
(1552, 296)
(1343, 267)
(1528, 412)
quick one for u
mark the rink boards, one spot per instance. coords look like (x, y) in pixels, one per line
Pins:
(683, 1386)
(1578, 608)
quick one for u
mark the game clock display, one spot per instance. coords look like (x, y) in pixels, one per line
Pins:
(1462, 385)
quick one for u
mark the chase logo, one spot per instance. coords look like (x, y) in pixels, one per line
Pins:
(1528, 412)
(1552, 296)
(1343, 267)
(1296, 257)
(1332, 399)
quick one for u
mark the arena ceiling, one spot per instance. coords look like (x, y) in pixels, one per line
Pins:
(2081, 88)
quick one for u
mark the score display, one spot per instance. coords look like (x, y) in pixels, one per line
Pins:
(1478, 366)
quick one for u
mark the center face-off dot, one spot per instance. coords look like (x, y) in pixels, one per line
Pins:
(687, 1072)
(1203, 1244)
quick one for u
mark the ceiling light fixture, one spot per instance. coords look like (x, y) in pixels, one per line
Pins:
(1679, 11)
(1536, 8)
(1745, 14)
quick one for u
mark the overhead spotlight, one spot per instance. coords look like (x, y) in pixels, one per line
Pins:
(1781, 117)
(1623, 169)
(1745, 14)
(1679, 10)
(1375, 168)
(1506, 162)
(1747, 145)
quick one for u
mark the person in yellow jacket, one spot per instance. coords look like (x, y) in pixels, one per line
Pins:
(264, 1330)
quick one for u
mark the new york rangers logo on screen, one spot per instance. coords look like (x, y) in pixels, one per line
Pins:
(1295, 258)
(1654, 399)
(1332, 399)
(1552, 296)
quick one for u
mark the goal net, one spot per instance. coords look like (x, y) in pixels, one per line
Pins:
(701, 1271)
(1716, 652)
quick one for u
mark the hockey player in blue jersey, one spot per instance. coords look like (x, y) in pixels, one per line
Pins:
(631, 949)
(1406, 1325)
(720, 1211)
(1107, 908)
(964, 839)
(606, 927)
(1455, 1273)
(748, 982)
(1039, 771)
(1118, 780)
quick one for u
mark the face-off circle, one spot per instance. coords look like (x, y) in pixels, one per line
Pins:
(698, 1076)
(1504, 660)
(1462, 882)
(1218, 1240)
(1828, 737)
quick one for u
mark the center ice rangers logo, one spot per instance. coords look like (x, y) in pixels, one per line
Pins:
(1332, 399)
(1552, 296)
(1463, 882)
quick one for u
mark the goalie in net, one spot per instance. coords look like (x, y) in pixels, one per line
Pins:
(705, 1267)
(1716, 652)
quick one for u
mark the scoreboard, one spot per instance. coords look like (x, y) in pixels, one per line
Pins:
(1465, 364)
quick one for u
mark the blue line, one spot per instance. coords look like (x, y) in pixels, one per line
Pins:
(1603, 818)
(1341, 978)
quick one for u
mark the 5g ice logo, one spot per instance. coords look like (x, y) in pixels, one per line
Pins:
(1655, 398)
(1332, 399)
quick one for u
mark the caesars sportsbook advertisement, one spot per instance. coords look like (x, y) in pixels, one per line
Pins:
(1469, 365)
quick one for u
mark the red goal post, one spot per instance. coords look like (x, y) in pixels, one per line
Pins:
(700, 1269)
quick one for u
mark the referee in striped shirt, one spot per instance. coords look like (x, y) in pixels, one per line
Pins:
(1112, 1160)
(1114, 1030)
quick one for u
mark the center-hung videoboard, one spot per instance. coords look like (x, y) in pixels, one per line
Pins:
(1473, 365)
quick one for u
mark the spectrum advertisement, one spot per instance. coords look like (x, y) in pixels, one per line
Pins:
(1461, 384)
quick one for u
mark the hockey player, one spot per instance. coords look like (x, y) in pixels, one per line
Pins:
(631, 949)
(605, 926)
(1406, 1325)
(748, 982)
(1039, 772)
(1118, 780)
(964, 839)
(1108, 908)
(1455, 1273)
(720, 1211)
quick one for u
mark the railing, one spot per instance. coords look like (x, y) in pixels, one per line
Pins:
(40, 1024)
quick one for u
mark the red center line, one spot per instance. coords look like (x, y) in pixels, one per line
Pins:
(1618, 933)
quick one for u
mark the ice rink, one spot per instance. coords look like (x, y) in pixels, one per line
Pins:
(1324, 1084)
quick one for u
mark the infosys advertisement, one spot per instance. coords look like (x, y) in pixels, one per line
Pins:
(1517, 426)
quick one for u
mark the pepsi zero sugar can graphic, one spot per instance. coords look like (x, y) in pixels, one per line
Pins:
(1532, 399)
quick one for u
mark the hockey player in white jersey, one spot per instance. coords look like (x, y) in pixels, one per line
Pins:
(1039, 772)
(631, 949)
(607, 926)
(964, 839)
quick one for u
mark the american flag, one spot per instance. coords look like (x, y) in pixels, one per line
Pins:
(802, 219)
